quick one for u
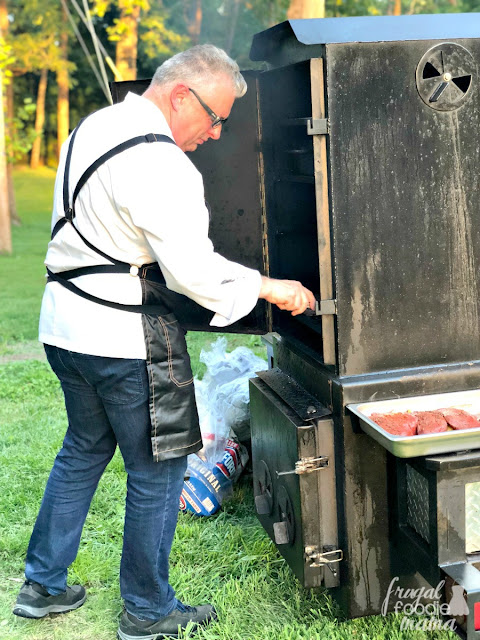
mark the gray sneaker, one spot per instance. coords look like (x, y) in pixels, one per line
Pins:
(132, 628)
(35, 602)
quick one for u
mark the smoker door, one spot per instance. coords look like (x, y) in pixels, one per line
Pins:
(294, 483)
(404, 200)
(231, 170)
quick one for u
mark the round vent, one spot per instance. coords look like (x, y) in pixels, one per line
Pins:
(445, 76)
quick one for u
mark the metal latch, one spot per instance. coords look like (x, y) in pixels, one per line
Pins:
(323, 308)
(306, 465)
(317, 127)
(317, 558)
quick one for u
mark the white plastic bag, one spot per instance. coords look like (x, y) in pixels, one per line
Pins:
(222, 396)
(223, 409)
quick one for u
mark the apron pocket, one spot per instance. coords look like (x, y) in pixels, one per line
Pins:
(173, 411)
(179, 368)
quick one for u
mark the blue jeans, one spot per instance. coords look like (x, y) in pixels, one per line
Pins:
(107, 402)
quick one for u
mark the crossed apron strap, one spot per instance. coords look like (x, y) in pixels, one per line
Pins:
(117, 266)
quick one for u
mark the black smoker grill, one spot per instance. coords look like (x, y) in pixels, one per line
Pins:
(352, 164)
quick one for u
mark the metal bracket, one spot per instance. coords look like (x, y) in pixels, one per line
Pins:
(317, 558)
(323, 308)
(306, 465)
(317, 127)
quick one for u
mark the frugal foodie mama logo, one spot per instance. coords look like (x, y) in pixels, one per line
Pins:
(425, 602)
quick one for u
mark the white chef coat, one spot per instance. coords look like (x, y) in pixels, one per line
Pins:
(144, 205)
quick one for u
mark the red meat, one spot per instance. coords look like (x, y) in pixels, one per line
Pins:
(398, 424)
(430, 422)
(460, 419)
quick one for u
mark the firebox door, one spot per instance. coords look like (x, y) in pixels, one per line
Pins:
(294, 478)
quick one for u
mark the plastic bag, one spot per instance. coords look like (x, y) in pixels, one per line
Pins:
(223, 408)
(222, 396)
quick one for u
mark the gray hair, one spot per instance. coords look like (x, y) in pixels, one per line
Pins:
(201, 64)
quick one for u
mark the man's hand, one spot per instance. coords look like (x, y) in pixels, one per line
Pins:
(288, 295)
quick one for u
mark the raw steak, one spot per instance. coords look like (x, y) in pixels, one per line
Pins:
(430, 422)
(460, 419)
(398, 424)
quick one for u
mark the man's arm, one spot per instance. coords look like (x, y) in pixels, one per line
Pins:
(288, 295)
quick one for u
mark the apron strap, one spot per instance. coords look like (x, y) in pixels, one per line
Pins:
(118, 266)
(128, 144)
(150, 272)
(153, 309)
(69, 211)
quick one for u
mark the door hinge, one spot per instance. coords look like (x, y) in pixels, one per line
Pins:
(317, 127)
(306, 465)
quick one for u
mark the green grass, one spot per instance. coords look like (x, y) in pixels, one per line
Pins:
(226, 559)
(22, 274)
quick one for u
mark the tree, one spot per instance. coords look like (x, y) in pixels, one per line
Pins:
(63, 124)
(138, 29)
(8, 84)
(125, 33)
(306, 9)
(193, 15)
(39, 119)
(5, 224)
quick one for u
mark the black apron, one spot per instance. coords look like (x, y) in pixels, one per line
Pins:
(173, 412)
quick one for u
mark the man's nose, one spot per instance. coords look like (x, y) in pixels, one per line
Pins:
(215, 132)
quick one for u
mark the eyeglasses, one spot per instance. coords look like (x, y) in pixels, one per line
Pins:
(216, 120)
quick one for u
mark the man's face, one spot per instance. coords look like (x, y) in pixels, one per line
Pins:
(192, 124)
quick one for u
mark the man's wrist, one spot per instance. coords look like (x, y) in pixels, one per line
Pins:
(265, 288)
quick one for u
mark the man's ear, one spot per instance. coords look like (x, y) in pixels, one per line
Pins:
(178, 95)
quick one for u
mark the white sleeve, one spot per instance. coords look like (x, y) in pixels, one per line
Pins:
(168, 204)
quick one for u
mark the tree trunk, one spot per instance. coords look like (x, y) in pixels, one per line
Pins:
(299, 9)
(126, 51)
(193, 14)
(8, 125)
(39, 120)
(397, 8)
(62, 81)
(5, 225)
(235, 8)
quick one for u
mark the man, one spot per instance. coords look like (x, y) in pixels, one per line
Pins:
(130, 227)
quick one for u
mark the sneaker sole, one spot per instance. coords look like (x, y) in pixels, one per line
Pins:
(24, 611)
(121, 635)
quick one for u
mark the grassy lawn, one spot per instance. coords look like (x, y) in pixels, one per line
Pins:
(226, 559)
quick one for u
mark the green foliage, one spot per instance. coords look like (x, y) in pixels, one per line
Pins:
(164, 28)
(20, 131)
(6, 57)
(157, 41)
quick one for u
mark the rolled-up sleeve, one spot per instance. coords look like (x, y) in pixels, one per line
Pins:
(168, 205)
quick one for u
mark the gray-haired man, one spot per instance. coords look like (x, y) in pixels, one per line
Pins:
(130, 227)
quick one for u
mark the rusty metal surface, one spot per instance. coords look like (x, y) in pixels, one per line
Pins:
(406, 224)
(291, 502)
